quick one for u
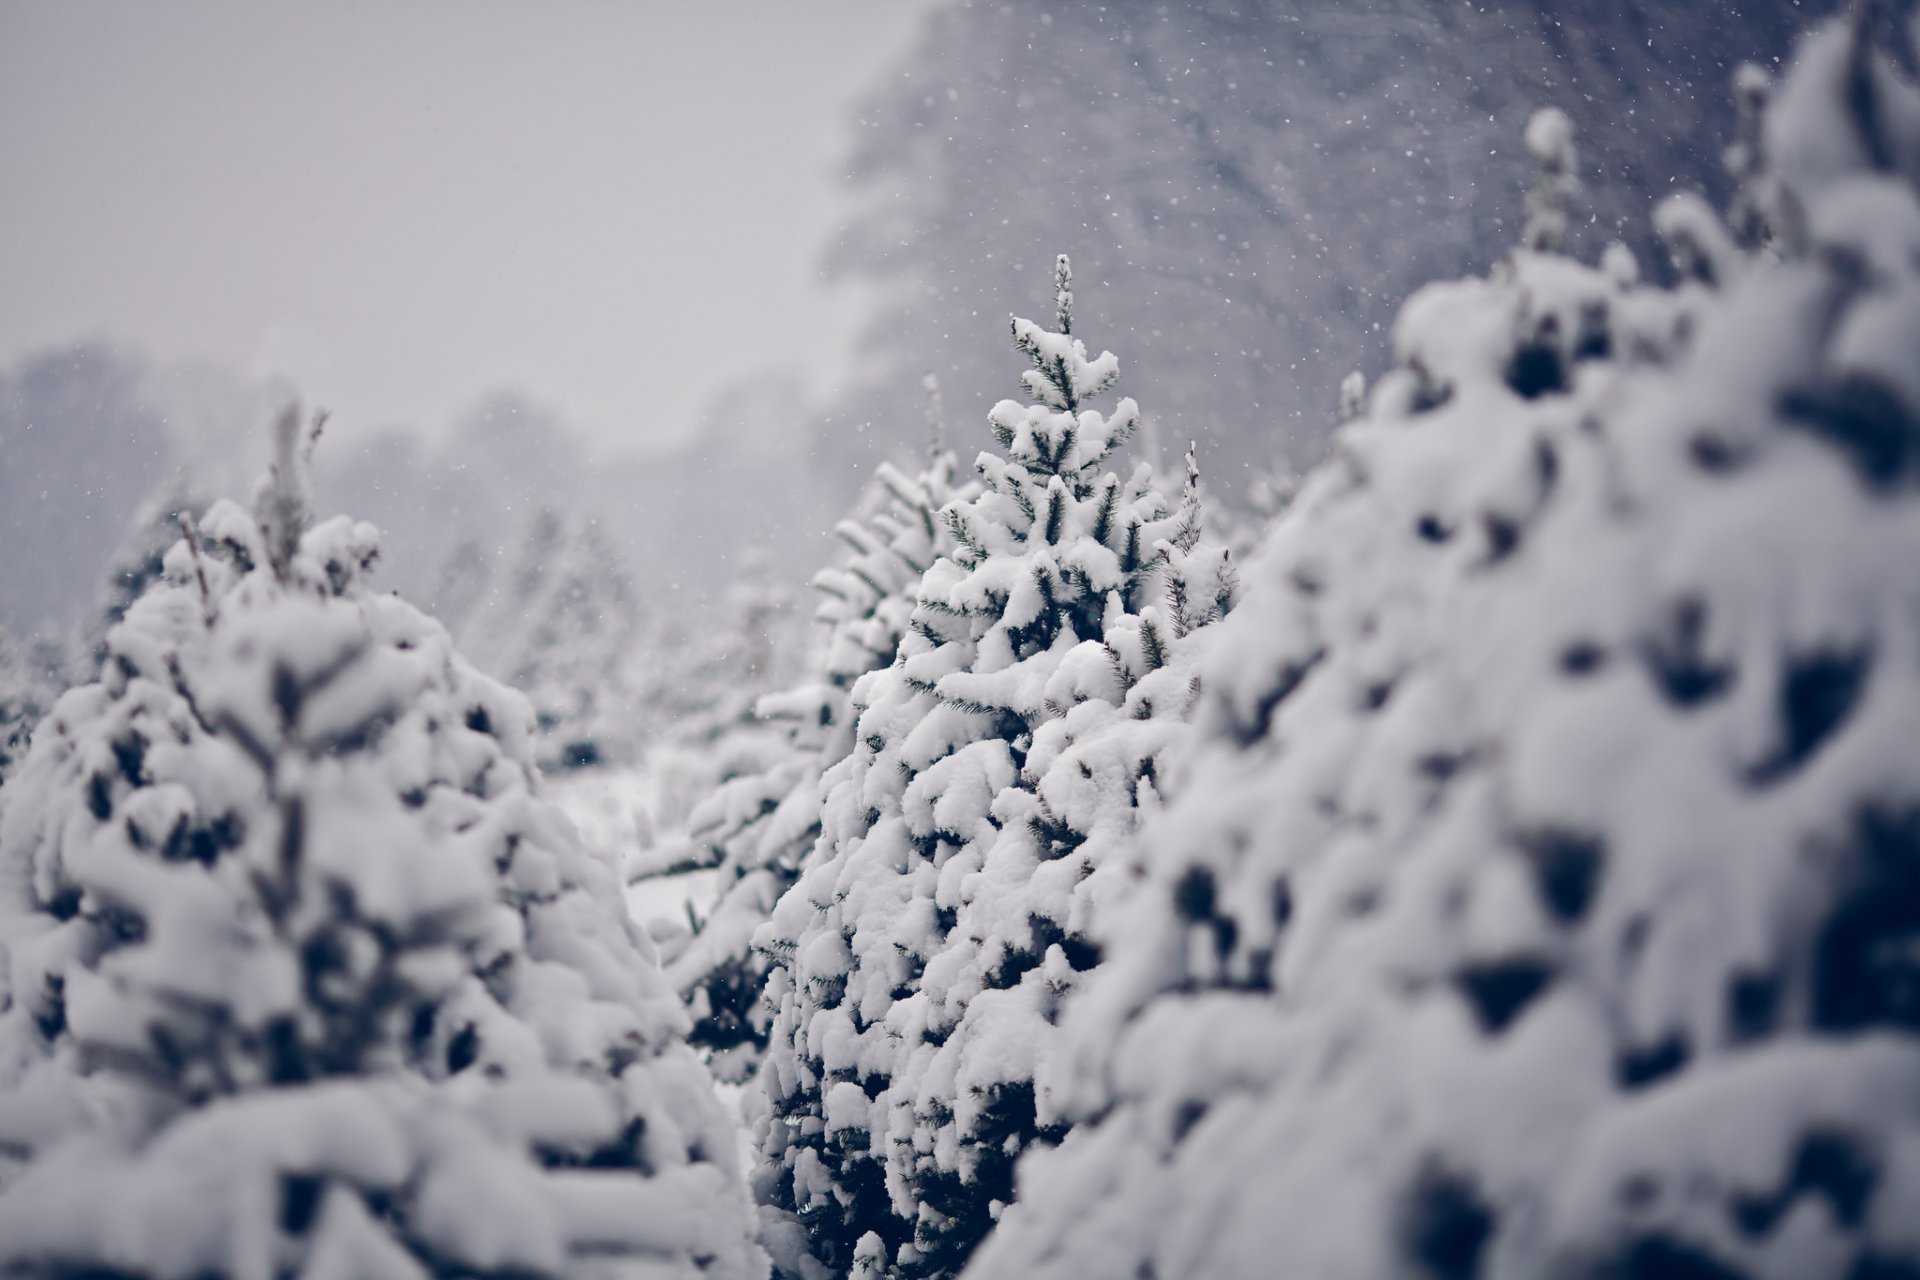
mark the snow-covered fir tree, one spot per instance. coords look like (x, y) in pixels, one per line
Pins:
(999, 763)
(757, 828)
(561, 627)
(303, 976)
(1544, 897)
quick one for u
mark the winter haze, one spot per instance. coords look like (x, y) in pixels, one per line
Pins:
(515, 252)
(610, 213)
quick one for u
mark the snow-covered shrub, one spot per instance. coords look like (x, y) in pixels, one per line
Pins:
(301, 974)
(998, 764)
(1544, 899)
(756, 828)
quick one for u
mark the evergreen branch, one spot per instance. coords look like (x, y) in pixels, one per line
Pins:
(1058, 375)
(1056, 514)
(1068, 439)
(320, 420)
(1188, 535)
(1043, 581)
(963, 533)
(199, 567)
(856, 538)
(972, 706)
(1152, 647)
(1021, 500)
(1226, 586)
(914, 567)
(879, 592)
(1177, 602)
(1025, 345)
(1103, 513)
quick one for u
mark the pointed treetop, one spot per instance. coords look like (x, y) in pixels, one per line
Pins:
(1188, 536)
(1549, 139)
(1056, 435)
(1353, 396)
(1063, 294)
(1750, 213)
(283, 504)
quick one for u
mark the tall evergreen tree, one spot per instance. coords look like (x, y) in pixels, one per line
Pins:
(757, 828)
(925, 950)
(302, 975)
(1545, 898)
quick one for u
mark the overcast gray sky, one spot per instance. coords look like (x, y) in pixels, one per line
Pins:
(615, 207)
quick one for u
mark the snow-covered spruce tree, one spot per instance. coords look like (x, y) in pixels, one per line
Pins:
(303, 977)
(560, 629)
(999, 761)
(1544, 898)
(757, 828)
